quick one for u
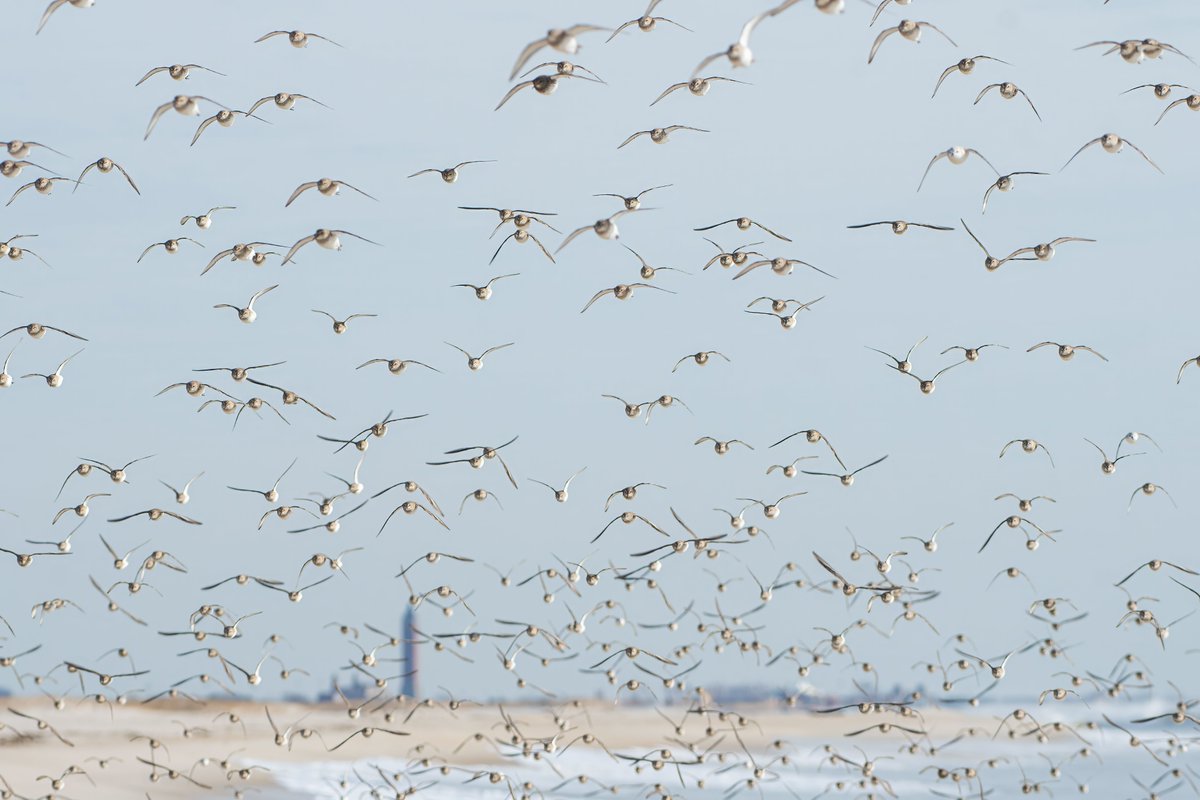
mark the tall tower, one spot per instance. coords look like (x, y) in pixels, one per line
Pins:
(408, 636)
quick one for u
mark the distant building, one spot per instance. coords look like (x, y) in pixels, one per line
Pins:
(356, 689)
(408, 636)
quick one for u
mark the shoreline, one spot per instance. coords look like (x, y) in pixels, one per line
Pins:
(185, 735)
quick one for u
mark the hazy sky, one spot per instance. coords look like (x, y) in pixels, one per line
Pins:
(817, 141)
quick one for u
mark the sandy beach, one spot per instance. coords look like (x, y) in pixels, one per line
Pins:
(202, 742)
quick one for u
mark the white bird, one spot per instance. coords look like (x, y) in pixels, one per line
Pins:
(604, 228)
(564, 40)
(187, 105)
(248, 314)
(204, 221)
(956, 155)
(54, 379)
(1112, 143)
(55, 5)
(327, 238)
(739, 53)
(879, 9)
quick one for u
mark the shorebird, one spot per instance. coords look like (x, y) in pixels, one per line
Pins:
(520, 236)
(6, 379)
(11, 169)
(901, 364)
(105, 165)
(900, 227)
(742, 224)
(296, 38)
(1134, 51)
(1149, 489)
(483, 292)
(721, 447)
(339, 325)
(634, 202)
(697, 87)
(204, 221)
(82, 509)
(788, 321)
(1045, 252)
(604, 228)
(36, 330)
(908, 29)
(450, 174)
(964, 66)
(284, 101)
(224, 118)
(1161, 90)
(326, 238)
(248, 314)
(739, 53)
(1112, 143)
(561, 68)
(181, 495)
(475, 363)
(42, 185)
(564, 40)
(243, 251)
(328, 187)
(1004, 183)
(560, 495)
(239, 374)
(544, 85)
(701, 358)
(1067, 351)
(955, 155)
(178, 72)
(54, 379)
(187, 105)
(622, 291)
(848, 478)
(170, 245)
(990, 262)
(1008, 90)
(971, 353)
(57, 4)
(1191, 102)
(646, 22)
(660, 135)
(1029, 446)
(396, 366)
(780, 266)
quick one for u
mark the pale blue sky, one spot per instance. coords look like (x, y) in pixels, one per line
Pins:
(817, 142)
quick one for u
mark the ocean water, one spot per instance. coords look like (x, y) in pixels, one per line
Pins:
(1005, 767)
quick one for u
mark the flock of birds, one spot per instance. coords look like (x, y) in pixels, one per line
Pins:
(656, 549)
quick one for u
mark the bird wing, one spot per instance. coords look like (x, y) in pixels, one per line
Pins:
(304, 187)
(526, 54)
(158, 112)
